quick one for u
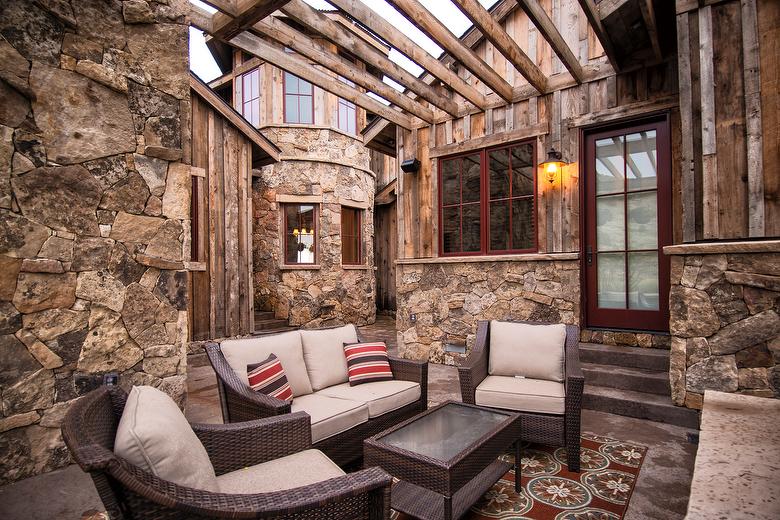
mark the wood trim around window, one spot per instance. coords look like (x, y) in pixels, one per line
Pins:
(484, 201)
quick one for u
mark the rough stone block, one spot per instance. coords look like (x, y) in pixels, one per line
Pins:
(714, 373)
(40, 291)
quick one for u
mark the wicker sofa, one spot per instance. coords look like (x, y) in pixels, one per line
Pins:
(242, 456)
(342, 416)
(552, 419)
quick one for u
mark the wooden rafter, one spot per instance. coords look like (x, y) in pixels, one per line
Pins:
(201, 18)
(281, 32)
(343, 38)
(592, 14)
(509, 48)
(247, 13)
(648, 14)
(301, 68)
(226, 6)
(430, 25)
(364, 15)
(547, 28)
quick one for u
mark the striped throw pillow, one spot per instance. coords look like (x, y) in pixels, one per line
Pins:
(268, 377)
(367, 362)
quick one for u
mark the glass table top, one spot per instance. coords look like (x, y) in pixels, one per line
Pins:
(445, 432)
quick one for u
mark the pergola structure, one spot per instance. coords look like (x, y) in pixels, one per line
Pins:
(440, 92)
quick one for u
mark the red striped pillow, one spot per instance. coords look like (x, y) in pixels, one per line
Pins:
(268, 378)
(367, 362)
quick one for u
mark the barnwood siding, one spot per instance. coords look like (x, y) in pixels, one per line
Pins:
(385, 230)
(554, 120)
(729, 93)
(221, 296)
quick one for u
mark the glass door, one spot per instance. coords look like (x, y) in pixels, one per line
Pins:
(628, 221)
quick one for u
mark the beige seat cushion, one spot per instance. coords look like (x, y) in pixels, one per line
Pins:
(154, 435)
(330, 416)
(533, 351)
(296, 470)
(287, 347)
(524, 395)
(380, 396)
(323, 351)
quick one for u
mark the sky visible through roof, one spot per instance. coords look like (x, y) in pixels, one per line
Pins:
(202, 63)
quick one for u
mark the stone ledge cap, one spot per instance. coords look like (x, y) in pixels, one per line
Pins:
(714, 248)
(524, 257)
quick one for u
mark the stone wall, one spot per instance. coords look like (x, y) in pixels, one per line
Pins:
(626, 338)
(725, 325)
(327, 164)
(93, 210)
(448, 299)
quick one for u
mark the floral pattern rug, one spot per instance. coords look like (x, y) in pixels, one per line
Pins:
(601, 491)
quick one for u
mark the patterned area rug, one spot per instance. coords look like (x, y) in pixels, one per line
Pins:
(601, 491)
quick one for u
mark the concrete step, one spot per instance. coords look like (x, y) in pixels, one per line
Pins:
(264, 315)
(632, 357)
(641, 405)
(270, 324)
(627, 378)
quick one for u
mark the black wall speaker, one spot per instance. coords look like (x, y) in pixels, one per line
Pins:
(410, 165)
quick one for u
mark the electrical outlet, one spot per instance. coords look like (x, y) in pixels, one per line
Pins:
(413, 318)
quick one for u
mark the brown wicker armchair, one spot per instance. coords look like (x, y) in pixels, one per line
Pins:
(241, 403)
(552, 429)
(129, 492)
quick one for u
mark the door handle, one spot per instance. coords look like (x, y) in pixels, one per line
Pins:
(589, 255)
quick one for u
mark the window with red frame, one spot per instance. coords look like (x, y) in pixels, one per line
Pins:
(347, 112)
(300, 233)
(298, 100)
(250, 97)
(351, 241)
(487, 202)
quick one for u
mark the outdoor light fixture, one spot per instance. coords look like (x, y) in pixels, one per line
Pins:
(553, 165)
(410, 165)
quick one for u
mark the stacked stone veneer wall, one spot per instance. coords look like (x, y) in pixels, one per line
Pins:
(626, 338)
(448, 299)
(93, 210)
(725, 325)
(328, 164)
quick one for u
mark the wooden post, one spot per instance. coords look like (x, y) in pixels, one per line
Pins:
(687, 179)
(710, 217)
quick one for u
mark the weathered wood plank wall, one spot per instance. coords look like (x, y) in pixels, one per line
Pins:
(554, 120)
(221, 299)
(385, 169)
(729, 102)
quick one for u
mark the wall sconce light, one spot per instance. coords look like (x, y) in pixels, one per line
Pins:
(553, 165)
(296, 232)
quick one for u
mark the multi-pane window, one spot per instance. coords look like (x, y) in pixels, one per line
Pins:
(298, 100)
(250, 97)
(487, 203)
(347, 112)
(300, 234)
(351, 243)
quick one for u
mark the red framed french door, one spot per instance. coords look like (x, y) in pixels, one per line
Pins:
(627, 223)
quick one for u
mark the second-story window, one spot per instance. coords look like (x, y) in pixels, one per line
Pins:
(298, 100)
(347, 112)
(250, 97)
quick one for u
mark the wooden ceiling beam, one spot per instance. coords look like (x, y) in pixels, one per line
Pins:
(281, 32)
(247, 13)
(546, 27)
(200, 18)
(594, 18)
(366, 16)
(509, 48)
(295, 65)
(226, 6)
(414, 11)
(648, 14)
(343, 38)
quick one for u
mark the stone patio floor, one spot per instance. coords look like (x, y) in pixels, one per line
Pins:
(661, 491)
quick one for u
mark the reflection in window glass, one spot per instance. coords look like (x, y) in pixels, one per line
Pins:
(250, 97)
(298, 100)
(300, 227)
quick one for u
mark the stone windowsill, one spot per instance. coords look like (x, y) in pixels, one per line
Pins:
(714, 248)
(526, 257)
(356, 267)
(300, 267)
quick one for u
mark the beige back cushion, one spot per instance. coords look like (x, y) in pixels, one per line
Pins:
(286, 346)
(323, 351)
(154, 435)
(533, 351)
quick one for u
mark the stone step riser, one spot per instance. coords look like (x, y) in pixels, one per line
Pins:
(625, 357)
(273, 331)
(656, 383)
(264, 315)
(634, 407)
(270, 324)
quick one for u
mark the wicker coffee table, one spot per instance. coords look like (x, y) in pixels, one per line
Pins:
(446, 458)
